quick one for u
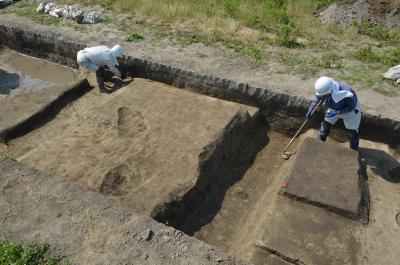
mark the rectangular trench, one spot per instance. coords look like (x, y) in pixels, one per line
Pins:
(234, 170)
(220, 181)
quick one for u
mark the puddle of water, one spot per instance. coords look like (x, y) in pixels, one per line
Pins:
(27, 74)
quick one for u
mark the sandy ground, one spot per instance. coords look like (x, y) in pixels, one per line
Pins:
(210, 60)
(87, 228)
(139, 144)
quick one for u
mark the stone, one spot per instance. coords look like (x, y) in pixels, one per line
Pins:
(146, 234)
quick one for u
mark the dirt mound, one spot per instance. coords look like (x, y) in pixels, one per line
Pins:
(384, 7)
(386, 12)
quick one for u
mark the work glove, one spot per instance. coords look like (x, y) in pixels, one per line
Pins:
(311, 109)
(332, 113)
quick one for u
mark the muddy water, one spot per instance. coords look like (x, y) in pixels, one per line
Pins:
(21, 73)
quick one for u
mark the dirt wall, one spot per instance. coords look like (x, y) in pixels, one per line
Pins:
(283, 112)
(221, 164)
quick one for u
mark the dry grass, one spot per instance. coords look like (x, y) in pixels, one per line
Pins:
(256, 29)
(217, 20)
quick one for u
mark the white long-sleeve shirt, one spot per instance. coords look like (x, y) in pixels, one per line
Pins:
(103, 56)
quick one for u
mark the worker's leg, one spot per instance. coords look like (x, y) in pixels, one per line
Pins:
(84, 62)
(354, 139)
(100, 79)
(352, 121)
(325, 130)
(326, 125)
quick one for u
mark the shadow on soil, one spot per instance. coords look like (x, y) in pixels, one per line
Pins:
(116, 84)
(49, 112)
(381, 163)
(113, 84)
(221, 166)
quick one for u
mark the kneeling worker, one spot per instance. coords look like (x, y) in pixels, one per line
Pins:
(343, 104)
(95, 59)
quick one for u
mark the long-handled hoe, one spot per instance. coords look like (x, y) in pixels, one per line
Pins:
(286, 155)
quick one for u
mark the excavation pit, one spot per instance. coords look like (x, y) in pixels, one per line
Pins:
(209, 167)
(143, 145)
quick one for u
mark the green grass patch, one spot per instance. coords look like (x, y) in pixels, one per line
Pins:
(3, 156)
(285, 38)
(255, 54)
(15, 254)
(378, 32)
(187, 38)
(388, 57)
(310, 66)
(134, 37)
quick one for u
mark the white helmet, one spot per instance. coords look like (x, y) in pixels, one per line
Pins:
(324, 85)
(118, 51)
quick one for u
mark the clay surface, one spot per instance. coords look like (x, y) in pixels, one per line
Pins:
(310, 235)
(28, 85)
(326, 175)
(140, 144)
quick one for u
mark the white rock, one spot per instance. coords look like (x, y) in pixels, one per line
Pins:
(393, 73)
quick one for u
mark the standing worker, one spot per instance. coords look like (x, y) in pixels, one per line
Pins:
(343, 104)
(95, 59)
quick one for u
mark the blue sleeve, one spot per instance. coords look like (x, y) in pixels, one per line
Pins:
(312, 106)
(350, 104)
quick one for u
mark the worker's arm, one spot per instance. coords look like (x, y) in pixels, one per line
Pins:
(313, 104)
(112, 64)
(350, 104)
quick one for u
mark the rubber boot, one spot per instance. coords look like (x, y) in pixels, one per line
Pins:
(325, 130)
(100, 80)
(354, 139)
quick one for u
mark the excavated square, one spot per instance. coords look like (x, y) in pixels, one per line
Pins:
(327, 176)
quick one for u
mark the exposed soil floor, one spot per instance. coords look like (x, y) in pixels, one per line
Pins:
(28, 85)
(140, 144)
(304, 233)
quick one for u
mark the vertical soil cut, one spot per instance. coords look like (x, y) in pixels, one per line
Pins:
(221, 164)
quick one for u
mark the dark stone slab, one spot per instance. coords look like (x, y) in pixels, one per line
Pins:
(327, 175)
